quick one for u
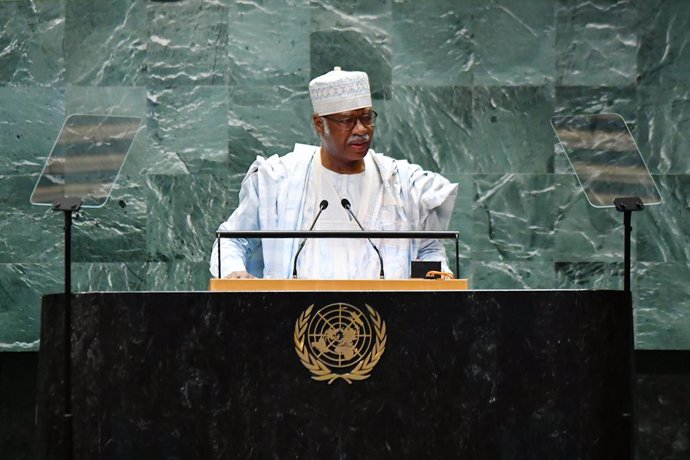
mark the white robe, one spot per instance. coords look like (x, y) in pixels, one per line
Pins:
(282, 193)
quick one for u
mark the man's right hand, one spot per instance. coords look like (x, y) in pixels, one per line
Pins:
(239, 275)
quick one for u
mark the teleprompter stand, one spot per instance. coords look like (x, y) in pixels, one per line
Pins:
(68, 206)
(612, 173)
(80, 171)
(627, 206)
(608, 166)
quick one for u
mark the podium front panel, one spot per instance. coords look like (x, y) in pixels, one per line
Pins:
(473, 374)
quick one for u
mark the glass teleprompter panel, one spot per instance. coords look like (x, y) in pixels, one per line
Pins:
(605, 158)
(86, 159)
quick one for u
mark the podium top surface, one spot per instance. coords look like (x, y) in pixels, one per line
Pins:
(218, 284)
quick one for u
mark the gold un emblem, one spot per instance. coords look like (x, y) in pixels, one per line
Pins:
(339, 341)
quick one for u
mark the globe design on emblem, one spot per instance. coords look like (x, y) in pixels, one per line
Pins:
(340, 335)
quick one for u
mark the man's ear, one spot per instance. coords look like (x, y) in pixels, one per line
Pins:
(318, 124)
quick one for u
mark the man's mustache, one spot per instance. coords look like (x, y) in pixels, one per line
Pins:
(358, 139)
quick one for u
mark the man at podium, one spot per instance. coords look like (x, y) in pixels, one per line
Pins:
(336, 186)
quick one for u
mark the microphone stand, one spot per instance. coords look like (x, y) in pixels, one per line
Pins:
(323, 205)
(346, 204)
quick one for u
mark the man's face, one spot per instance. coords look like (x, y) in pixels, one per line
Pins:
(345, 138)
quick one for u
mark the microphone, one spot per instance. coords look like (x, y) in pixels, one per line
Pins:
(346, 204)
(323, 205)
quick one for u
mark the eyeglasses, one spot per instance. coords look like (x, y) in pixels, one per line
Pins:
(348, 123)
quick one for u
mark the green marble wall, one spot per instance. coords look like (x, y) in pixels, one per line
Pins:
(464, 87)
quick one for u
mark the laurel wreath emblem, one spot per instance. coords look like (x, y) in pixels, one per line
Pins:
(321, 371)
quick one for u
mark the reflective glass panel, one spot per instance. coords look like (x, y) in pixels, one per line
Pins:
(605, 158)
(86, 159)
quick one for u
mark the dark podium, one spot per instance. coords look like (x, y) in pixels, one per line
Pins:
(464, 374)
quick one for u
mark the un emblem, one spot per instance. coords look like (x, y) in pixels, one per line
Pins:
(340, 341)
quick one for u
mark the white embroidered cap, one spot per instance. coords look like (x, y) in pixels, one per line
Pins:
(339, 91)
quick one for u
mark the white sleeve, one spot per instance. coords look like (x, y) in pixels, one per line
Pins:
(431, 201)
(432, 198)
(235, 252)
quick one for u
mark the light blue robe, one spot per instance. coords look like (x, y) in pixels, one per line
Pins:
(273, 197)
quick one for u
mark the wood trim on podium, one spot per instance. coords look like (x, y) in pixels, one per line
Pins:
(218, 284)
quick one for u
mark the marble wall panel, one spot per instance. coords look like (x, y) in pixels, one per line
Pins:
(267, 120)
(596, 42)
(584, 233)
(513, 217)
(512, 131)
(31, 35)
(664, 123)
(663, 59)
(514, 43)
(662, 317)
(29, 233)
(109, 276)
(184, 211)
(432, 127)
(261, 55)
(185, 276)
(105, 42)
(368, 17)
(188, 43)
(156, 159)
(661, 231)
(598, 99)
(30, 120)
(189, 123)
(589, 275)
(439, 55)
(116, 100)
(511, 275)
(116, 231)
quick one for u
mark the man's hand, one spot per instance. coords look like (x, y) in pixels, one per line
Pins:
(239, 275)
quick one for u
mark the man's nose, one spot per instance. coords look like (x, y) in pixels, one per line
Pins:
(359, 127)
